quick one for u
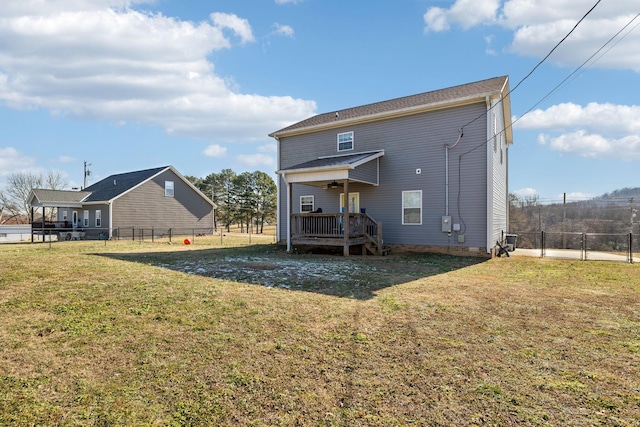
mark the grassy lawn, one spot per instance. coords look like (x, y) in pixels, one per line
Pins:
(130, 333)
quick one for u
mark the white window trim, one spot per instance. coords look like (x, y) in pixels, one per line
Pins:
(313, 204)
(352, 141)
(403, 207)
(169, 192)
(85, 219)
(98, 218)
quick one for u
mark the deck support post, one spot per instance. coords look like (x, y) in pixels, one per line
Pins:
(345, 218)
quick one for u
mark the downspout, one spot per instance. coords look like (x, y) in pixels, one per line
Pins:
(289, 195)
(446, 170)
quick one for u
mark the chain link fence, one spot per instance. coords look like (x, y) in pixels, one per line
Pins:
(584, 246)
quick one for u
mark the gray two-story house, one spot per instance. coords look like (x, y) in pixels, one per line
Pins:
(423, 172)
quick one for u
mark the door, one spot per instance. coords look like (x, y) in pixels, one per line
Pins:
(354, 202)
(74, 219)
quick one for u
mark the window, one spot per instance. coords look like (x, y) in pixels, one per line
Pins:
(168, 188)
(345, 141)
(412, 207)
(85, 219)
(98, 218)
(64, 215)
(306, 204)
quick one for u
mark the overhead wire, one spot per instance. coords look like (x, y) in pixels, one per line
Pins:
(543, 98)
(538, 64)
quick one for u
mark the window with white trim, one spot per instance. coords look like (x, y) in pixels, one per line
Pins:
(345, 141)
(306, 204)
(64, 215)
(168, 189)
(98, 218)
(85, 219)
(412, 207)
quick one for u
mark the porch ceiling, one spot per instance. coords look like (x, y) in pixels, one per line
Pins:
(325, 170)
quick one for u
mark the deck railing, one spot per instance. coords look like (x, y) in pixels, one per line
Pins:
(330, 226)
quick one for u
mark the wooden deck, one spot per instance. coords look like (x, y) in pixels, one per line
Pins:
(327, 229)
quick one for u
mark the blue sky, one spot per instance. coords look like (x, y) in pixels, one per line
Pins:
(134, 84)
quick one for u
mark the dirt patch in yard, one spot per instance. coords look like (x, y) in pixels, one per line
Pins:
(354, 277)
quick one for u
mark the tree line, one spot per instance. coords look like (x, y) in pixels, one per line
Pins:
(609, 219)
(247, 199)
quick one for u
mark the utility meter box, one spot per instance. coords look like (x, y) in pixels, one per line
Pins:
(446, 224)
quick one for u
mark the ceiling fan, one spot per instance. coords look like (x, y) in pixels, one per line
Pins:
(335, 184)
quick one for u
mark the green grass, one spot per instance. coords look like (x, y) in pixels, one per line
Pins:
(130, 333)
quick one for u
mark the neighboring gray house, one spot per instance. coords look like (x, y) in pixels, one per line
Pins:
(159, 198)
(424, 172)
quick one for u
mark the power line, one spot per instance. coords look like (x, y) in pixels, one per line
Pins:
(552, 91)
(539, 63)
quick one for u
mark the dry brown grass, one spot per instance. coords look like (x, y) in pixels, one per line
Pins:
(128, 333)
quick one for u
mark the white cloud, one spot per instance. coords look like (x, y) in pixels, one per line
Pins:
(268, 148)
(525, 193)
(283, 30)
(237, 25)
(215, 151)
(12, 161)
(256, 160)
(590, 145)
(466, 13)
(538, 26)
(98, 59)
(594, 117)
(594, 131)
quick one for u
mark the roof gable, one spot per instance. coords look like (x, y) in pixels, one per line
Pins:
(42, 196)
(407, 105)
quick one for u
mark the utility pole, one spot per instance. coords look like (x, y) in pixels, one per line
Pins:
(633, 213)
(87, 173)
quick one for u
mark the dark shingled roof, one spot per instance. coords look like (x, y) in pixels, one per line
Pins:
(115, 185)
(331, 161)
(59, 196)
(452, 94)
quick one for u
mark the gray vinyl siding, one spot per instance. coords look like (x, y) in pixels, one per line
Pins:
(499, 168)
(146, 206)
(367, 172)
(409, 142)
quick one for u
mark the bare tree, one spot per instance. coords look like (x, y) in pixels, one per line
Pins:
(8, 209)
(15, 198)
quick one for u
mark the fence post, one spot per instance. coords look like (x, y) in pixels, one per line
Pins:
(542, 243)
(153, 235)
(133, 233)
(584, 247)
(170, 232)
(630, 248)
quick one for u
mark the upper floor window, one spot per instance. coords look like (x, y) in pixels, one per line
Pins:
(168, 188)
(345, 141)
